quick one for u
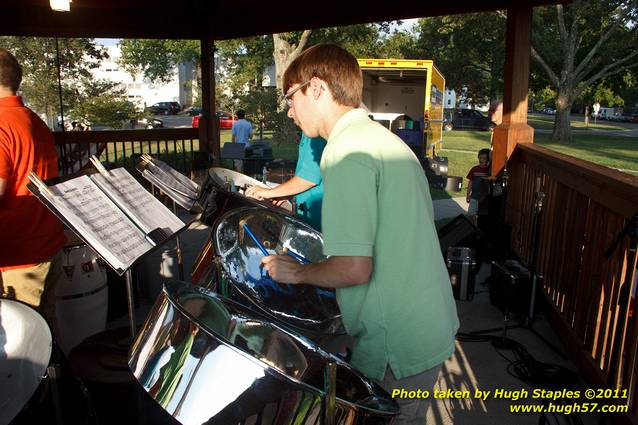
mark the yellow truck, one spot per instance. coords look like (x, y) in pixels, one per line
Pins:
(407, 96)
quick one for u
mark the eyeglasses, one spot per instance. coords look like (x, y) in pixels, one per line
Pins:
(288, 96)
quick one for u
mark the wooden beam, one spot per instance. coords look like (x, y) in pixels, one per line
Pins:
(514, 128)
(208, 124)
(160, 19)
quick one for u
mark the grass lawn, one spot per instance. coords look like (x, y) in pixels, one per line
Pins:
(609, 151)
(461, 148)
(546, 122)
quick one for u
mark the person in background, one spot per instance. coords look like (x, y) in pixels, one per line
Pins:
(242, 132)
(31, 237)
(384, 258)
(306, 184)
(474, 177)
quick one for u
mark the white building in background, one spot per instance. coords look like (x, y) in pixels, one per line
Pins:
(449, 99)
(143, 92)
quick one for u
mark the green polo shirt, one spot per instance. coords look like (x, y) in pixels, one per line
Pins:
(377, 203)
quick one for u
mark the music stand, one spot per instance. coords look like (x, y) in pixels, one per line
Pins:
(157, 238)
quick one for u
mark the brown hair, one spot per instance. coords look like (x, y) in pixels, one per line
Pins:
(10, 70)
(334, 65)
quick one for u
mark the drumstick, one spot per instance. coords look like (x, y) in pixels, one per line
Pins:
(254, 238)
(298, 257)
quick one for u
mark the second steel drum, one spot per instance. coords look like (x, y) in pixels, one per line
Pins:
(310, 310)
(209, 360)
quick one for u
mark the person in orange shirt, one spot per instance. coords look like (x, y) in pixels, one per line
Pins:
(31, 237)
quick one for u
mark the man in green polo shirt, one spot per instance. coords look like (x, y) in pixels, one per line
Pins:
(384, 256)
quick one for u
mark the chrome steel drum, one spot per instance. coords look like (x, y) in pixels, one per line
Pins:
(209, 360)
(224, 191)
(25, 350)
(307, 309)
(37, 385)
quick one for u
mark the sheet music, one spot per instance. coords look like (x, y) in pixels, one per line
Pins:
(184, 184)
(99, 221)
(185, 194)
(138, 203)
(221, 175)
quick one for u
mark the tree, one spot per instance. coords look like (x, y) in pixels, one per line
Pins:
(582, 43)
(156, 59)
(104, 102)
(286, 48)
(38, 57)
(468, 49)
(400, 45)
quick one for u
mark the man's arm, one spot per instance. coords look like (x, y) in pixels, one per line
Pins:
(335, 272)
(3, 187)
(292, 187)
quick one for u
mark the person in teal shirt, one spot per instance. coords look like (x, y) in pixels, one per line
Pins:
(306, 185)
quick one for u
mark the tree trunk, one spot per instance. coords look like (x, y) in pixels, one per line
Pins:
(562, 127)
(284, 53)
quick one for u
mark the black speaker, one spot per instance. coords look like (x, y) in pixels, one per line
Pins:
(233, 150)
(458, 232)
(511, 288)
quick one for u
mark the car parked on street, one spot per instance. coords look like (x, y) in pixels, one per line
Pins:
(225, 120)
(165, 108)
(548, 111)
(194, 111)
(468, 119)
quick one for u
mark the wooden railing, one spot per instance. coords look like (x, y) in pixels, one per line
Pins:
(121, 147)
(592, 298)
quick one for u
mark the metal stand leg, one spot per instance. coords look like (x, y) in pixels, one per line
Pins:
(329, 403)
(180, 260)
(128, 276)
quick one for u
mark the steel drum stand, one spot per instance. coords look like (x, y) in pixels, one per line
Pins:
(329, 402)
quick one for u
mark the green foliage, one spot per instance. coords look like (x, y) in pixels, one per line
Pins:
(103, 102)
(261, 106)
(107, 110)
(400, 45)
(602, 94)
(244, 62)
(38, 58)
(468, 49)
(580, 44)
(544, 98)
(360, 40)
(156, 59)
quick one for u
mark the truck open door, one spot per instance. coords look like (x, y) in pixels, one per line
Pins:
(407, 96)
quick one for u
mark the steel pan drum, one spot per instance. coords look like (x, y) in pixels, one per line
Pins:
(226, 192)
(221, 192)
(310, 310)
(209, 360)
(25, 350)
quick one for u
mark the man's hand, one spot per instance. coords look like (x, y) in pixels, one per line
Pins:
(282, 268)
(257, 192)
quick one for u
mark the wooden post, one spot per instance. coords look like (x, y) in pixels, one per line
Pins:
(514, 128)
(208, 125)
